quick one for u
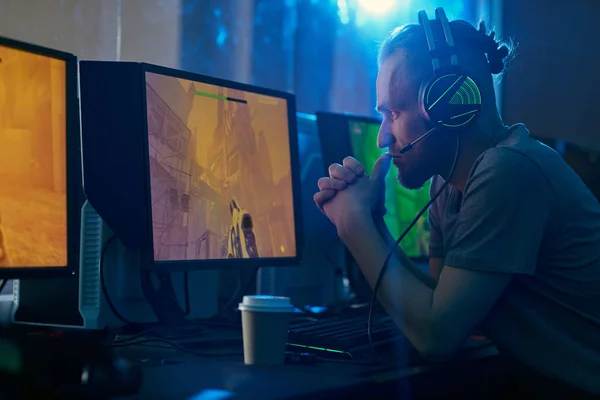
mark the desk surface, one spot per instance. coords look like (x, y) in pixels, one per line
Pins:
(171, 374)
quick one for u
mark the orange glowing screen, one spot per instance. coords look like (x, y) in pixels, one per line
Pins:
(33, 204)
(220, 172)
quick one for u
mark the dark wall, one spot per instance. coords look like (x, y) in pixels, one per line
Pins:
(291, 44)
(553, 84)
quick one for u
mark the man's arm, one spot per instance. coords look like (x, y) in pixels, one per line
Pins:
(436, 264)
(505, 209)
(436, 240)
(435, 321)
(401, 256)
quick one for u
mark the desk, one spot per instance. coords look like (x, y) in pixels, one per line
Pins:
(173, 375)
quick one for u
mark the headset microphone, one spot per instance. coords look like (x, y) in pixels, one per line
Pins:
(410, 146)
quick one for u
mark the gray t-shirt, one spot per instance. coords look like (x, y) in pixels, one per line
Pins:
(526, 212)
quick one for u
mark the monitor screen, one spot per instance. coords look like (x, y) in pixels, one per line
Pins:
(220, 172)
(33, 170)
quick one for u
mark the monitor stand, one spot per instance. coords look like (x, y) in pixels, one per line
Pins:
(78, 301)
(163, 300)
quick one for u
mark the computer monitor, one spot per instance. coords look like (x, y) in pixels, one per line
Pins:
(344, 135)
(40, 164)
(192, 171)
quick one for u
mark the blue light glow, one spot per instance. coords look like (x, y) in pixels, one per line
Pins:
(379, 7)
(222, 36)
(343, 11)
(212, 394)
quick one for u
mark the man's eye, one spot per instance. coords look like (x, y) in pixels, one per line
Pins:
(390, 115)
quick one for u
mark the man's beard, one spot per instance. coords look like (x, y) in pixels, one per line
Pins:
(416, 168)
(413, 176)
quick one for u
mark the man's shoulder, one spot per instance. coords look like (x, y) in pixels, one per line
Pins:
(505, 159)
(516, 157)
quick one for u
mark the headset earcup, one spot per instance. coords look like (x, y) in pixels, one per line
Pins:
(425, 114)
(451, 100)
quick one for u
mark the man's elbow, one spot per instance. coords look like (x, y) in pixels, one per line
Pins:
(437, 348)
(435, 355)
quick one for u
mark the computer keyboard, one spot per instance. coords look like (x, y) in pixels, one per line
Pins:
(347, 338)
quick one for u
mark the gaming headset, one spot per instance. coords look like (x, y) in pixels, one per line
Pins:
(450, 99)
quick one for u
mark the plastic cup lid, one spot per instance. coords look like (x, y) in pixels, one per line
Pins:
(266, 303)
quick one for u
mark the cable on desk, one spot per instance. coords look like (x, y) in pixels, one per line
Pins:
(239, 293)
(173, 344)
(121, 339)
(153, 332)
(3, 284)
(109, 301)
(111, 305)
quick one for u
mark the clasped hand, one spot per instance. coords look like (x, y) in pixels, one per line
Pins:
(350, 191)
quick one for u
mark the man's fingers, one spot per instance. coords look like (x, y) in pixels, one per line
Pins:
(353, 165)
(323, 197)
(331, 184)
(381, 167)
(342, 173)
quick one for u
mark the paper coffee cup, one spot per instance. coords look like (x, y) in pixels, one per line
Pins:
(265, 324)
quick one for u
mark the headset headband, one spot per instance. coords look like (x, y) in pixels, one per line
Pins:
(447, 50)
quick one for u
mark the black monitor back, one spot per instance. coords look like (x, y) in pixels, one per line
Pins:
(113, 125)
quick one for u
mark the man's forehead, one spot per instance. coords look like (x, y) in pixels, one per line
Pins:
(393, 77)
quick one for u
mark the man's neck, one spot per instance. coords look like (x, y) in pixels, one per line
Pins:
(473, 143)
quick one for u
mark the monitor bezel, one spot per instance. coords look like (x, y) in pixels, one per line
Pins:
(74, 180)
(147, 255)
(337, 144)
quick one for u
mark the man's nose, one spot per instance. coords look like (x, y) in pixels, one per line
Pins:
(385, 137)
